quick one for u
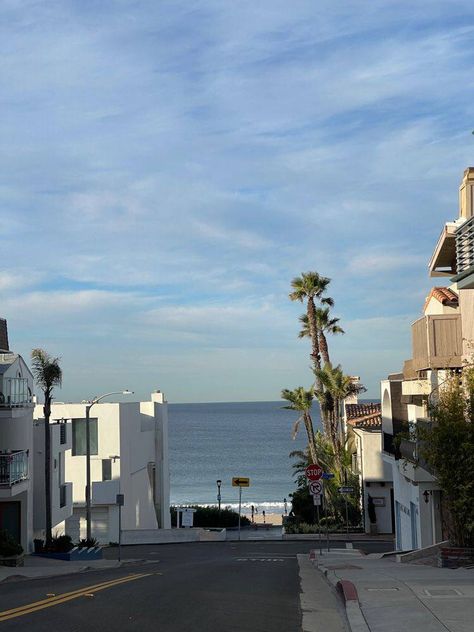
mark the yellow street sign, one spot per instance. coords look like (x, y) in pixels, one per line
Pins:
(240, 481)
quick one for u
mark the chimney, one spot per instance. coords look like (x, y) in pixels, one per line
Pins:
(466, 194)
(3, 336)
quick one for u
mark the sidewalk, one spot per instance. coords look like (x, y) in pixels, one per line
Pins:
(394, 597)
(36, 567)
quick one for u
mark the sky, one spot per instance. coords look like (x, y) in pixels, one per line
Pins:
(167, 167)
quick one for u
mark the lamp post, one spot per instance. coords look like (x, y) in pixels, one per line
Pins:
(88, 456)
(219, 483)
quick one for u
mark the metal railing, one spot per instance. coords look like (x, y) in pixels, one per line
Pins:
(13, 467)
(14, 392)
(465, 246)
(389, 446)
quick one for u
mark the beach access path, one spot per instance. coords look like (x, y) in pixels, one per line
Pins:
(255, 586)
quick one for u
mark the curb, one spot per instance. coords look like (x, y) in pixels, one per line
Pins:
(66, 571)
(348, 591)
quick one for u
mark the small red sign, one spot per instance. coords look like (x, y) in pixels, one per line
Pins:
(314, 472)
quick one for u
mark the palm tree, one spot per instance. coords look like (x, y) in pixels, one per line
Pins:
(48, 374)
(311, 287)
(325, 325)
(336, 386)
(301, 400)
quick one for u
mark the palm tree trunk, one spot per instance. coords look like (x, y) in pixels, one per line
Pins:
(323, 345)
(47, 469)
(308, 422)
(313, 330)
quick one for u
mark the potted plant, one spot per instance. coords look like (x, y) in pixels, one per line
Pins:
(11, 553)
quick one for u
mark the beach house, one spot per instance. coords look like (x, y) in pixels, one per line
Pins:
(442, 343)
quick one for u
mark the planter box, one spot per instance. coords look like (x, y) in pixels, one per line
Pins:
(455, 556)
(12, 560)
(75, 555)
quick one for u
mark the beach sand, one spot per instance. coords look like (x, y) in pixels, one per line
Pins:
(270, 518)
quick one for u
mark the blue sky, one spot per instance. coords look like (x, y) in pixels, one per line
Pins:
(168, 167)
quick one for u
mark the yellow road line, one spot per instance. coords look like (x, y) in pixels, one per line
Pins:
(51, 599)
(54, 601)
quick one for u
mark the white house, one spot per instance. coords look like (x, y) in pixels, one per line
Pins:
(61, 491)
(375, 476)
(16, 443)
(129, 455)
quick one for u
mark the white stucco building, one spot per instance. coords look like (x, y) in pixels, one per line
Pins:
(129, 455)
(16, 444)
(375, 476)
(442, 343)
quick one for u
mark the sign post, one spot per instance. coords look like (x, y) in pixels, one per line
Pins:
(120, 499)
(240, 481)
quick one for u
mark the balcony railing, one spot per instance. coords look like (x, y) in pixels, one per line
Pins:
(389, 446)
(465, 246)
(436, 344)
(14, 392)
(13, 467)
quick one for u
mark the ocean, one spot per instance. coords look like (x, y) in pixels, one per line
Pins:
(222, 440)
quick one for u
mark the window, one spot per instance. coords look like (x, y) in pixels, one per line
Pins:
(79, 437)
(106, 469)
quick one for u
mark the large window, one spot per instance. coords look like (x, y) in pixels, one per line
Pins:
(79, 437)
(106, 469)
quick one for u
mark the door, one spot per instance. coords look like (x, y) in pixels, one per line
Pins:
(10, 519)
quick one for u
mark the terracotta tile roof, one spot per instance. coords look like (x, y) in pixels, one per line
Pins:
(355, 411)
(444, 295)
(367, 415)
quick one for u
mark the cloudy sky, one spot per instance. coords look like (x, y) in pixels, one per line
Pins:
(168, 166)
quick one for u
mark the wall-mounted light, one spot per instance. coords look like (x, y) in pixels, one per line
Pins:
(426, 494)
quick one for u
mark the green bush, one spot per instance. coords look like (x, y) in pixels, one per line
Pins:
(8, 545)
(212, 517)
(60, 544)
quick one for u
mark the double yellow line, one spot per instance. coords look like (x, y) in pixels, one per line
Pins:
(59, 599)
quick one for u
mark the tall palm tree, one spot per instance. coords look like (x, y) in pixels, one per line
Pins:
(48, 374)
(325, 325)
(301, 400)
(311, 287)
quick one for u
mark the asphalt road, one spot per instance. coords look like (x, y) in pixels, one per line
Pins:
(212, 587)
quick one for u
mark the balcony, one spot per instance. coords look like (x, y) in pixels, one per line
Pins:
(13, 467)
(465, 255)
(389, 446)
(14, 392)
(436, 344)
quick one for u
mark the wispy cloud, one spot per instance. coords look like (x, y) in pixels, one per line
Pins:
(167, 168)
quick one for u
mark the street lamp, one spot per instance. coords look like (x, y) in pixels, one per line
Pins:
(88, 456)
(219, 483)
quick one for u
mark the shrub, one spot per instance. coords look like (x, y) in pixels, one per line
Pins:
(85, 543)
(61, 544)
(8, 545)
(212, 517)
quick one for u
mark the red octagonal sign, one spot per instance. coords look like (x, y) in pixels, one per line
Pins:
(314, 472)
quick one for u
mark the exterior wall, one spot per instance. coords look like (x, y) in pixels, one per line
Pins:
(58, 478)
(16, 433)
(466, 302)
(375, 476)
(435, 308)
(135, 437)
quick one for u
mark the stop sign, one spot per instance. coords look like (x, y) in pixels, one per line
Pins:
(314, 472)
